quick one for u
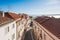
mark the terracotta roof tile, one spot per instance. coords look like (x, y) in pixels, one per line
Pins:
(13, 15)
(5, 20)
(24, 16)
(51, 24)
(8, 17)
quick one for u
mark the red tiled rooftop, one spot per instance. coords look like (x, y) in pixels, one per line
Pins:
(24, 16)
(51, 24)
(8, 16)
(4, 20)
(14, 16)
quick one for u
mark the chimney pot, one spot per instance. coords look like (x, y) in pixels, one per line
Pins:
(3, 14)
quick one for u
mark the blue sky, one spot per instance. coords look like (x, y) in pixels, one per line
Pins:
(31, 7)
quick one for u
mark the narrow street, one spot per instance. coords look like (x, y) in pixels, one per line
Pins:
(29, 35)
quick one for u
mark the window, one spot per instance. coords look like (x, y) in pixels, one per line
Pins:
(19, 22)
(13, 36)
(19, 34)
(31, 24)
(13, 25)
(41, 34)
(6, 30)
(38, 29)
(44, 37)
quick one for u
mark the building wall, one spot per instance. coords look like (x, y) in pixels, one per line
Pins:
(40, 31)
(4, 34)
(20, 28)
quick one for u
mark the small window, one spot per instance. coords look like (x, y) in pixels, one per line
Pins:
(13, 36)
(6, 30)
(19, 23)
(31, 24)
(19, 34)
(41, 34)
(44, 37)
(13, 25)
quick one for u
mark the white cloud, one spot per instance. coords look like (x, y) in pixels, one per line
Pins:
(52, 7)
(51, 2)
(53, 12)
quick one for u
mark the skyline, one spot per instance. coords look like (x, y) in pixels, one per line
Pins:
(31, 7)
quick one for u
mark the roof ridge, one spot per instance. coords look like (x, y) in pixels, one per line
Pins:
(46, 19)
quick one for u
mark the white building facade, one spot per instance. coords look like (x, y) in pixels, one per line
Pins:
(8, 31)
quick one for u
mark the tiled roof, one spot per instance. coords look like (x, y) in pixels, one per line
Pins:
(51, 24)
(24, 16)
(8, 17)
(5, 20)
(13, 15)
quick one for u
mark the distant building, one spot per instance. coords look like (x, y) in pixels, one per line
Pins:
(26, 24)
(47, 28)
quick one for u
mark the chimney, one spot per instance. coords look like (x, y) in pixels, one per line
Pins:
(3, 14)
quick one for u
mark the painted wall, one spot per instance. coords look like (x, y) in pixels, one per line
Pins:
(8, 35)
